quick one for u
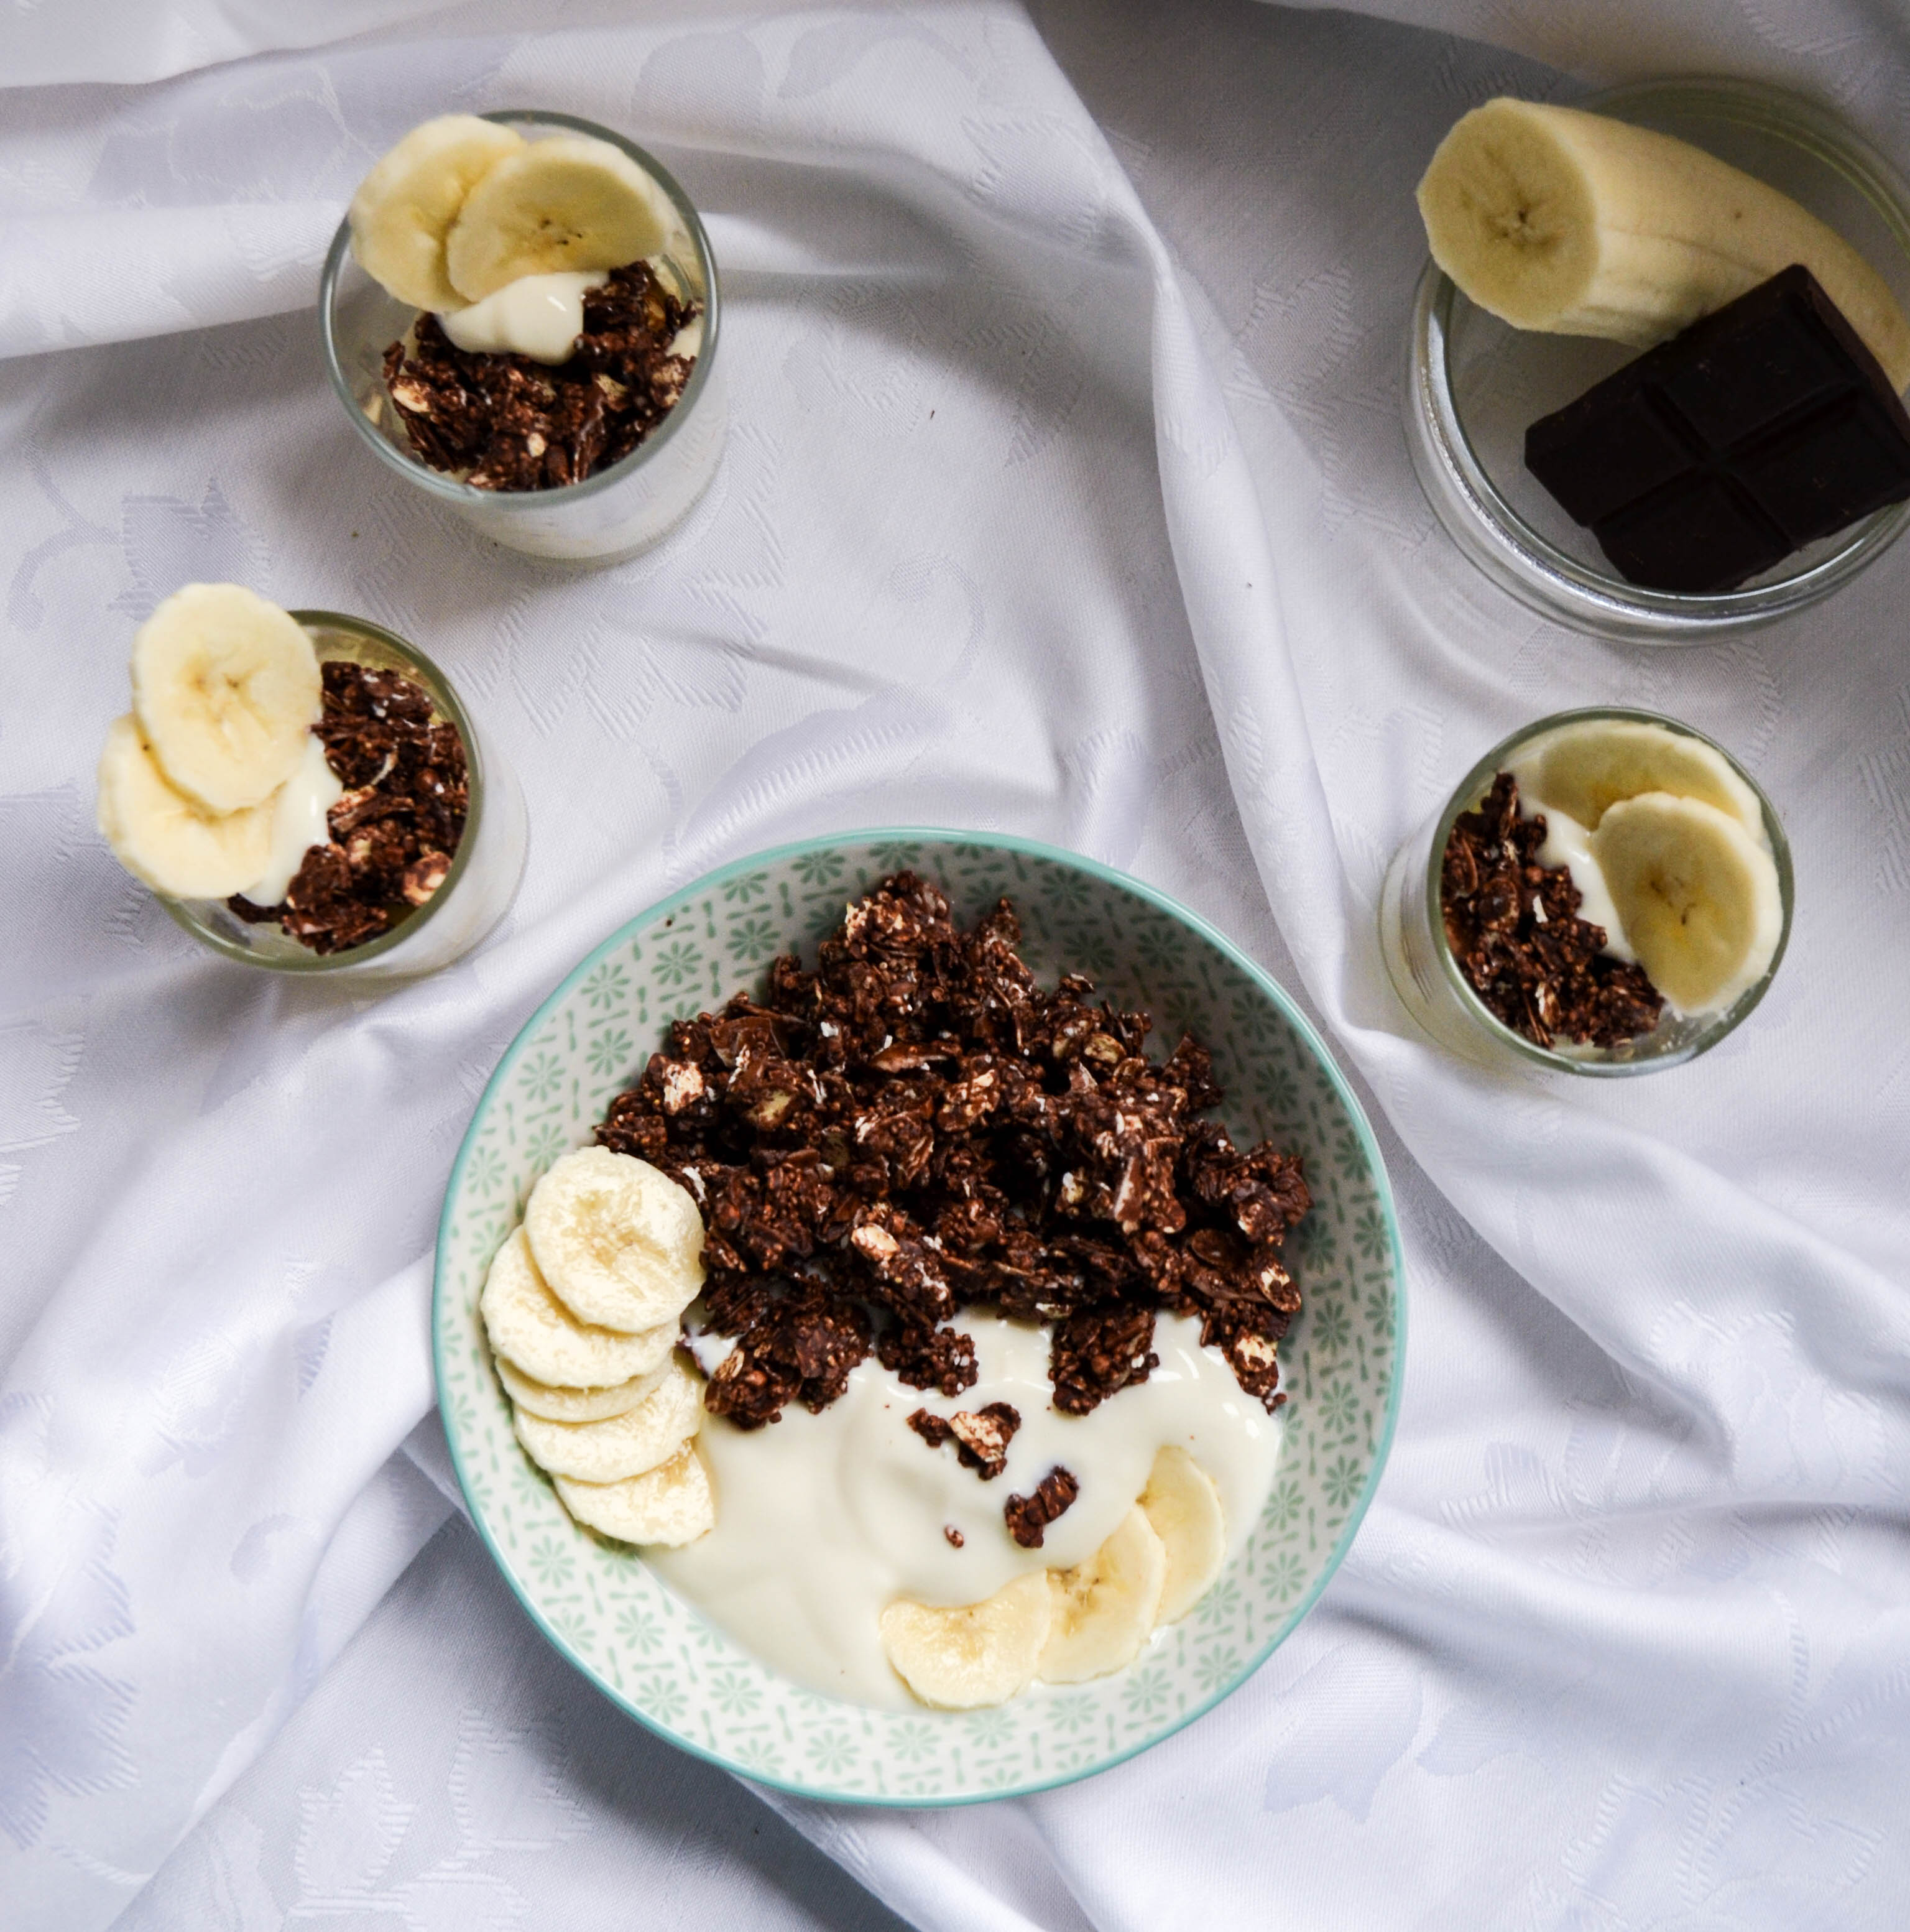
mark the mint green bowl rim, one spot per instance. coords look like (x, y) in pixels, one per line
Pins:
(1284, 1004)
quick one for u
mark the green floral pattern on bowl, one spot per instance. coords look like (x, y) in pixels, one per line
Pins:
(657, 1656)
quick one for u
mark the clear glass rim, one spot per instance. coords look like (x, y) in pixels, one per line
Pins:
(1468, 794)
(445, 697)
(1517, 556)
(525, 501)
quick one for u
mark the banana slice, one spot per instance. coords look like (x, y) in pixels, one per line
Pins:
(978, 1653)
(575, 1404)
(621, 1445)
(529, 1325)
(1582, 769)
(1699, 896)
(569, 203)
(166, 839)
(1183, 1508)
(1575, 224)
(671, 1504)
(620, 1244)
(1104, 1608)
(226, 688)
(405, 207)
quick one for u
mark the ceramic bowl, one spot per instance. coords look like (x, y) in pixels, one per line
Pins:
(654, 1653)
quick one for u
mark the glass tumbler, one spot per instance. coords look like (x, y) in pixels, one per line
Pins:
(485, 870)
(1431, 988)
(1474, 384)
(616, 512)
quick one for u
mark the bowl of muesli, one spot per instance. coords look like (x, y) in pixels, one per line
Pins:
(1035, 1218)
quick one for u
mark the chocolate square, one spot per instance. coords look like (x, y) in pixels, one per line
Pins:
(1703, 533)
(1595, 461)
(1737, 383)
(1709, 459)
(1827, 471)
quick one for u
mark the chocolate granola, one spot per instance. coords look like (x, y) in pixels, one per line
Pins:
(1513, 927)
(916, 1128)
(397, 826)
(510, 422)
(1027, 1517)
(981, 1437)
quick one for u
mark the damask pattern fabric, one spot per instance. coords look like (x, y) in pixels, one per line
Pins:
(1066, 495)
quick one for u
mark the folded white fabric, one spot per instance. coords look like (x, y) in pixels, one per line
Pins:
(1042, 511)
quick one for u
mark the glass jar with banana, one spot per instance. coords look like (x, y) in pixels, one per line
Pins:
(1607, 892)
(521, 312)
(304, 791)
(1757, 454)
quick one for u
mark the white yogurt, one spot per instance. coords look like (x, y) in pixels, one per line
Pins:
(298, 823)
(823, 1520)
(538, 316)
(1568, 843)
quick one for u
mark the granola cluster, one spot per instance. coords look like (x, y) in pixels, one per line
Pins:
(1028, 1516)
(510, 422)
(395, 829)
(981, 1436)
(915, 1128)
(1513, 927)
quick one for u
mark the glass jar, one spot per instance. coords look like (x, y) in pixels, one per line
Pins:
(485, 870)
(1474, 384)
(1428, 980)
(616, 512)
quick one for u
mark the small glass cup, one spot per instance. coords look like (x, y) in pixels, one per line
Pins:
(485, 870)
(620, 510)
(1475, 384)
(1427, 978)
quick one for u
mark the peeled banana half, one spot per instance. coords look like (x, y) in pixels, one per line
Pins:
(1574, 223)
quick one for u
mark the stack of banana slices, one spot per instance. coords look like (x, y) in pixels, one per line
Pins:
(1067, 1626)
(1676, 839)
(584, 1306)
(462, 208)
(196, 781)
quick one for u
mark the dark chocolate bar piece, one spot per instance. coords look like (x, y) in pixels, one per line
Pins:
(1713, 456)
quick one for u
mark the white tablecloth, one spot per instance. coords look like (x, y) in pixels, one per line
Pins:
(1066, 495)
